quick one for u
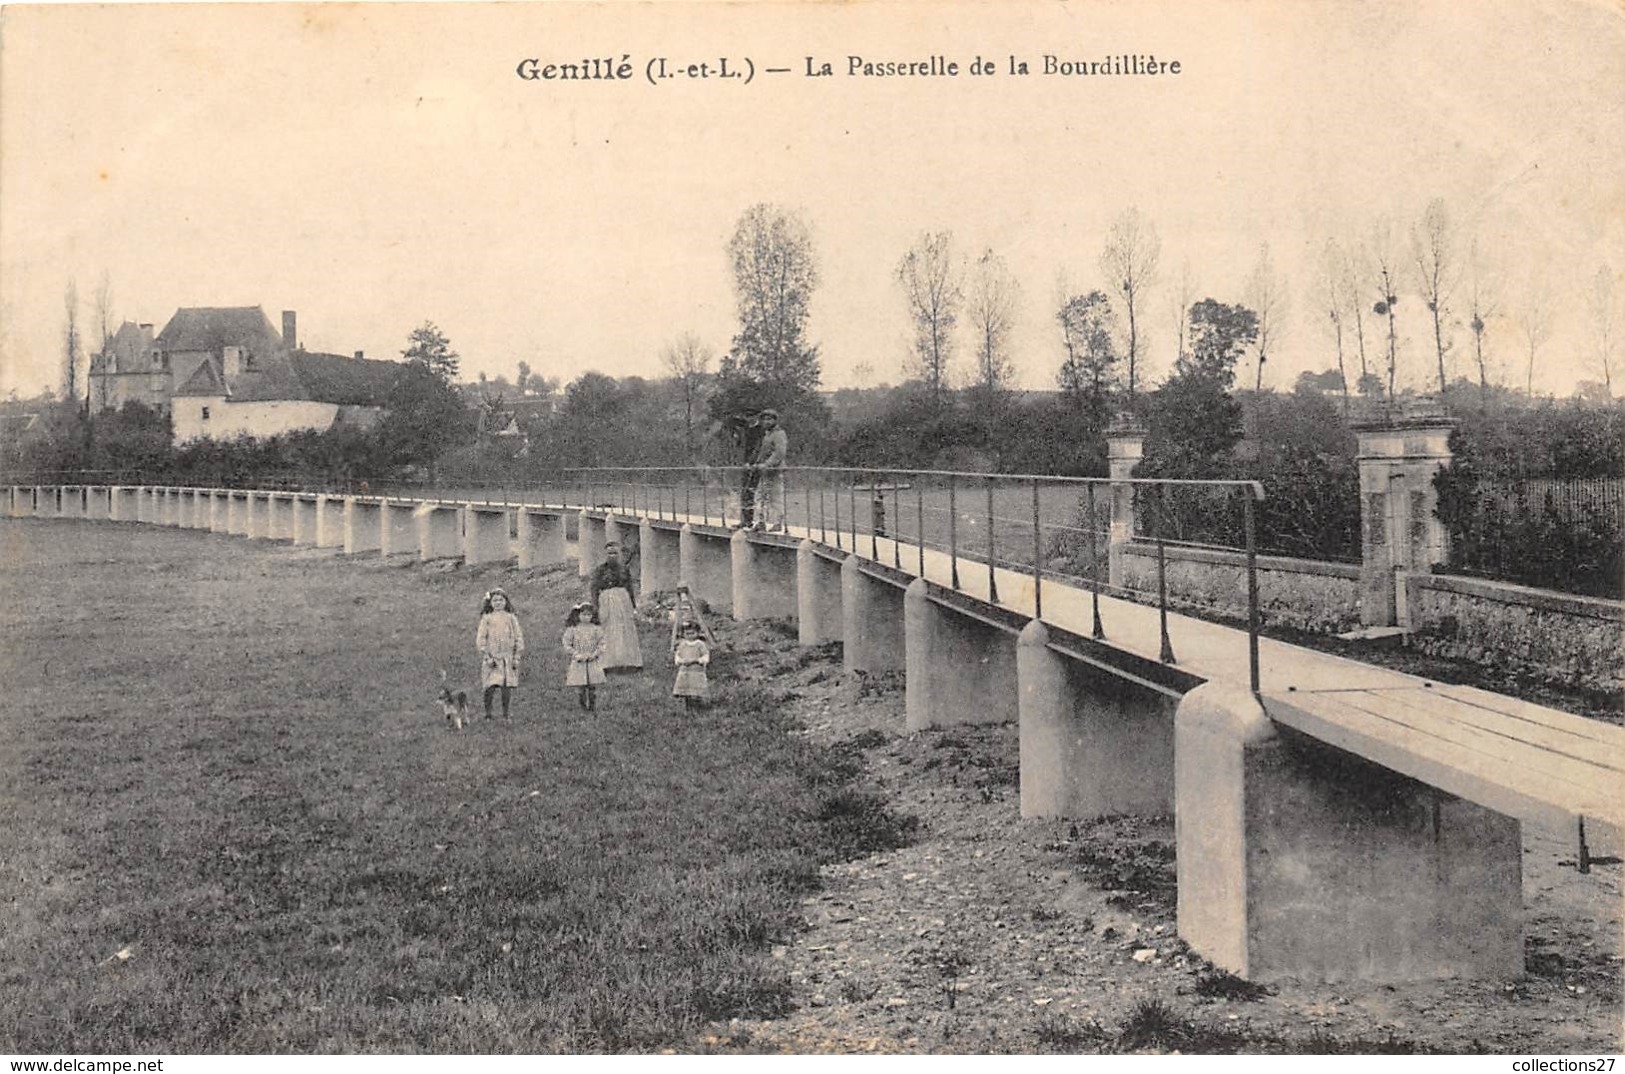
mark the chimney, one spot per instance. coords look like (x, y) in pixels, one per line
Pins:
(360, 355)
(290, 329)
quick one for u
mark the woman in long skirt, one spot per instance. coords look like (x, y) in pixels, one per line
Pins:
(612, 597)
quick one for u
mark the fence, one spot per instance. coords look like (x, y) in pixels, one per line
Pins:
(1562, 534)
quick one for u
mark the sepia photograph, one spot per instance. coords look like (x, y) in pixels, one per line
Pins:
(775, 528)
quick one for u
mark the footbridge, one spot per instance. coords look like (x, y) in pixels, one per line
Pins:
(1334, 819)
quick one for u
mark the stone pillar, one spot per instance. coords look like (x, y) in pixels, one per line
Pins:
(658, 554)
(872, 637)
(705, 566)
(613, 534)
(399, 530)
(125, 505)
(304, 520)
(99, 503)
(1125, 447)
(363, 525)
(1399, 530)
(589, 544)
(329, 521)
(197, 509)
(280, 509)
(960, 670)
(541, 538)
(257, 514)
(818, 597)
(440, 534)
(485, 534)
(1092, 744)
(217, 511)
(1299, 860)
(763, 579)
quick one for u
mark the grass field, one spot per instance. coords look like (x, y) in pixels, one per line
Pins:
(236, 822)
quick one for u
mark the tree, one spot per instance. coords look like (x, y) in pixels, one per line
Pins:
(1383, 271)
(1534, 319)
(1129, 262)
(1600, 304)
(933, 291)
(994, 293)
(775, 272)
(1269, 300)
(72, 345)
(521, 380)
(688, 361)
(1332, 261)
(1433, 243)
(428, 347)
(1483, 299)
(1219, 335)
(1351, 298)
(1088, 375)
(1179, 303)
(1194, 422)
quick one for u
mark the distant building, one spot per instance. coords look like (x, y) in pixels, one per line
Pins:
(129, 369)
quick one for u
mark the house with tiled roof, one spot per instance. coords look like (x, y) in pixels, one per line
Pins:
(236, 377)
(129, 369)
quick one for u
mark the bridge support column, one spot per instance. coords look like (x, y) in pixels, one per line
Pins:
(304, 520)
(589, 544)
(541, 538)
(762, 577)
(1399, 529)
(658, 558)
(259, 515)
(217, 511)
(398, 528)
(99, 503)
(440, 534)
(363, 526)
(197, 509)
(1092, 745)
(485, 534)
(960, 670)
(705, 566)
(329, 521)
(872, 637)
(281, 515)
(1125, 447)
(125, 504)
(1300, 860)
(818, 597)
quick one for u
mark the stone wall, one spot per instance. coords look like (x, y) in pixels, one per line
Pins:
(1307, 594)
(1568, 639)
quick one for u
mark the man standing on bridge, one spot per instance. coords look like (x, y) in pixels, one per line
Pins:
(769, 467)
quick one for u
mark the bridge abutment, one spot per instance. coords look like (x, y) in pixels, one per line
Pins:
(1092, 744)
(1297, 859)
(818, 597)
(959, 670)
(872, 635)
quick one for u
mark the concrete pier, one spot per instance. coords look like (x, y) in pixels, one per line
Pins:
(440, 531)
(98, 503)
(399, 528)
(125, 504)
(237, 513)
(259, 515)
(304, 520)
(871, 621)
(329, 521)
(659, 555)
(541, 537)
(589, 544)
(71, 502)
(218, 501)
(44, 501)
(197, 509)
(959, 670)
(363, 525)
(1092, 744)
(705, 566)
(485, 534)
(172, 507)
(763, 578)
(818, 597)
(1299, 860)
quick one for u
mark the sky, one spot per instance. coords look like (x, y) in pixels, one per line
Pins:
(376, 166)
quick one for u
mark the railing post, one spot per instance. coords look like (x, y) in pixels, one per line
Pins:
(852, 509)
(1167, 654)
(874, 523)
(823, 531)
(953, 532)
(837, 499)
(897, 527)
(992, 548)
(1252, 592)
(1038, 559)
(919, 497)
(1094, 561)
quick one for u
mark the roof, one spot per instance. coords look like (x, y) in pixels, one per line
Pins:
(211, 328)
(205, 380)
(333, 378)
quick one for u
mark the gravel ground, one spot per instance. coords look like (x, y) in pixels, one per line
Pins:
(994, 934)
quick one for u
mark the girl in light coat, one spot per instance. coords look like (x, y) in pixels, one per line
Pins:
(500, 642)
(584, 645)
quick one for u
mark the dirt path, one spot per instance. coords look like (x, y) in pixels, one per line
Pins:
(994, 934)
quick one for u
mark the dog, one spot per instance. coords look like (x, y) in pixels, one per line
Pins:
(453, 704)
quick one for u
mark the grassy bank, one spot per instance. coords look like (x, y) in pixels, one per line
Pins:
(237, 822)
